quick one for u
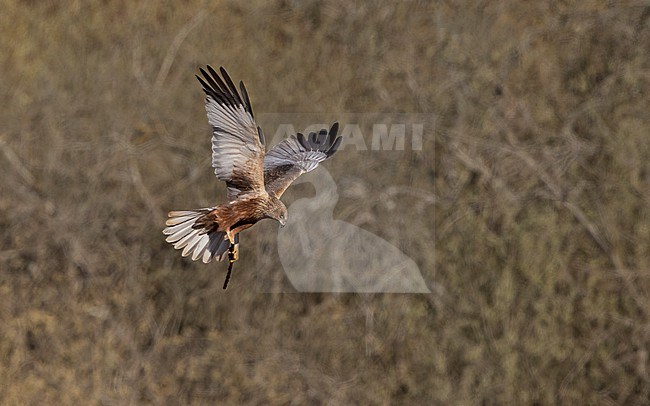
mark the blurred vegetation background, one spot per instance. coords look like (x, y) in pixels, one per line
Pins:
(534, 190)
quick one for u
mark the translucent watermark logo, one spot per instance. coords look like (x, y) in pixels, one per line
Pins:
(319, 253)
(383, 137)
(363, 132)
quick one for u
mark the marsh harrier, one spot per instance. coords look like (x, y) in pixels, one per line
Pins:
(255, 180)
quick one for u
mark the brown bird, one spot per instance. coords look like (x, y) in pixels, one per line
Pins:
(255, 180)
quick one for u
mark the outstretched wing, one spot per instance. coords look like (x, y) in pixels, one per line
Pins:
(237, 141)
(296, 155)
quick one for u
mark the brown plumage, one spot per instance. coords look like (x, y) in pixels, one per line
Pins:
(255, 180)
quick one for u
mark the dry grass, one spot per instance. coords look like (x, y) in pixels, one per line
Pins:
(534, 190)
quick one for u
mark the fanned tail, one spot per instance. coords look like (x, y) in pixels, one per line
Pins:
(182, 232)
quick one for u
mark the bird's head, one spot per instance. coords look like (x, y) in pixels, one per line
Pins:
(279, 212)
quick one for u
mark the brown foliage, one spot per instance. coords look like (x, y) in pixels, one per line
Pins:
(534, 190)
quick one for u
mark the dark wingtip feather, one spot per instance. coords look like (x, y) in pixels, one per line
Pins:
(301, 139)
(324, 141)
(334, 147)
(332, 134)
(213, 86)
(203, 84)
(203, 72)
(244, 93)
(231, 85)
(334, 130)
(214, 80)
(212, 71)
(222, 89)
(312, 139)
(322, 135)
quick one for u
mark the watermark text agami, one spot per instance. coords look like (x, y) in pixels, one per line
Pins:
(379, 137)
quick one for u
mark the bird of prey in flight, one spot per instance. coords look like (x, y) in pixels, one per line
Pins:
(255, 178)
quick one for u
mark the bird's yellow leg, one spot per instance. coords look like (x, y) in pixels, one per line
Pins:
(234, 250)
(233, 255)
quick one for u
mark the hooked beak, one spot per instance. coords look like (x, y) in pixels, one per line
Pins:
(282, 223)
